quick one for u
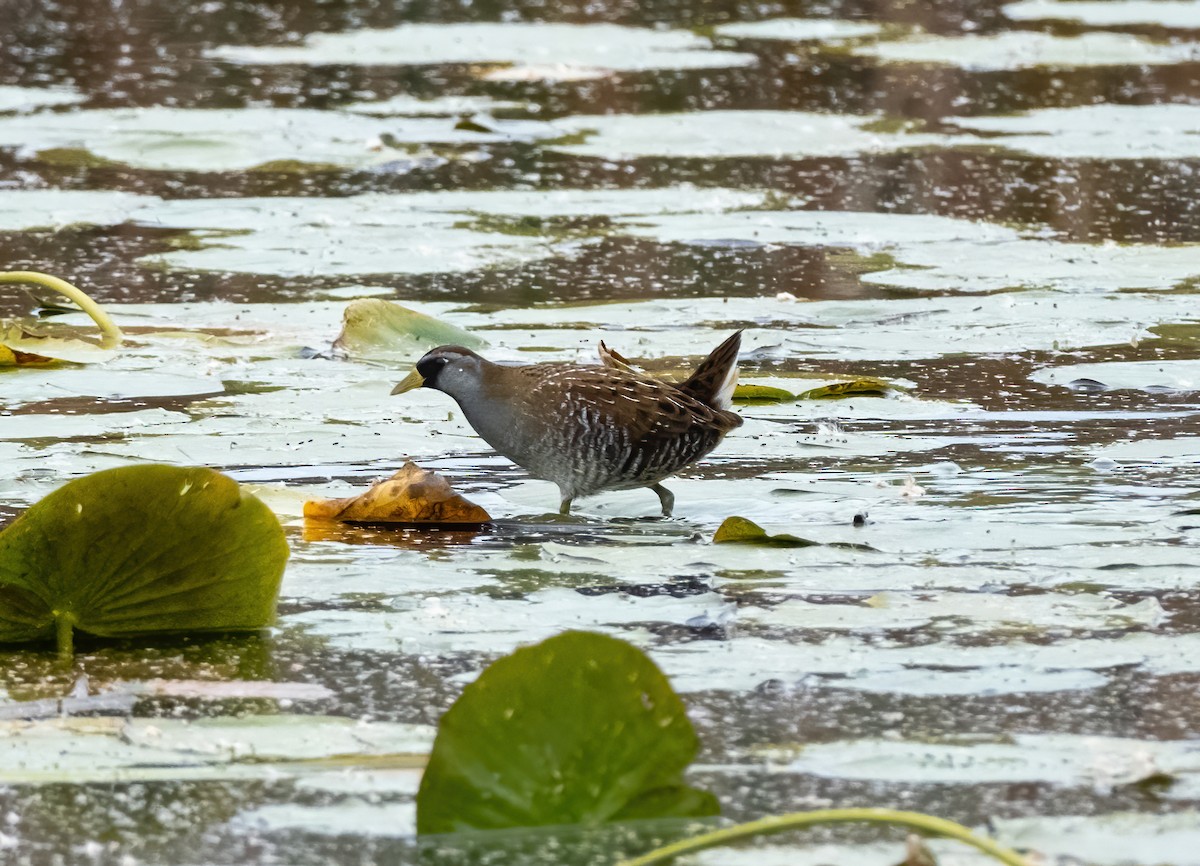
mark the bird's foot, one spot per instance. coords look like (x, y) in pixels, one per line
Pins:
(666, 497)
(565, 507)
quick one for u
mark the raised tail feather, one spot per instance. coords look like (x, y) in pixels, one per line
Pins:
(715, 378)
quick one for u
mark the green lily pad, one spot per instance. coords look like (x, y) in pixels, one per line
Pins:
(579, 729)
(138, 550)
(862, 387)
(375, 328)
(742, 531)
(761, 394)
(865, 387)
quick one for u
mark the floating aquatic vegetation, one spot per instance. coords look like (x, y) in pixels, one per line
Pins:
(933, 253)
(557, 51)
(579, 729)
(799, 29)
(1154, 376)
(376, 328)
(57, 208)
(412, 495)
(405, 105)
(1063, 760)
(1025, 49)
(777, 134)
(1180, 14)
(27, 342)
(1163, 131)
(1113, 839)
(748, 392)
(356, 235)
(751, 393)
(739, 530)
(861, 387)
(285, 139)
(109, 749)
(24, 99)
(962, 613)
(441, 230)
(140, 550)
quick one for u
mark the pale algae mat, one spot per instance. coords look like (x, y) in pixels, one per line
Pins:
(994, 207)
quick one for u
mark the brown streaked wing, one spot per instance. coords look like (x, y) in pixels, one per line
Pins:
(642, 405)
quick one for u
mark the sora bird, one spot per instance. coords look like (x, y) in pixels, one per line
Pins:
(589, 429)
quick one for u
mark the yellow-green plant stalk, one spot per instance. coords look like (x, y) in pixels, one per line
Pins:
(110, 335)
(803, 820)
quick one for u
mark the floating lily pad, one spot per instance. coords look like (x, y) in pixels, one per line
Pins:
(1165, 131)
(20, 99)
(962, 613)
(1024, 49)
(140, 550)
(1178, 14)
(358, 234)
(935, 253)
(579, 729)
(375, 328)
(748, 393)
(540, 45)
(1008, 667)
(55, 208)
(279, 139)
(1173, 375)
(742, 531)
(1115, 839)
(865, 387)
(1059, 759)
(405, 105)
(799, 29)
(107, 750)
(779, 134)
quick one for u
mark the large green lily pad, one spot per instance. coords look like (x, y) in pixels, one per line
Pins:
(579, 729)
(137, 550)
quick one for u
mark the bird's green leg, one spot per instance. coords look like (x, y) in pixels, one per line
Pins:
(666, 497)
(565, 507)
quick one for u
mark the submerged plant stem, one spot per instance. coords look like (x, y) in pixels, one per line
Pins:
(803, 820)
(110, 335)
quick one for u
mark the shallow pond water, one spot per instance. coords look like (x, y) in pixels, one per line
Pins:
(995, 207)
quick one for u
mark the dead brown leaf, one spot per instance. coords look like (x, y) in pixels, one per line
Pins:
(412, 495)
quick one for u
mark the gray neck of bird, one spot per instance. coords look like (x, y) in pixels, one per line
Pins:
(493, 413)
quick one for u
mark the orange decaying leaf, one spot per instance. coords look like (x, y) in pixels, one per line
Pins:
(412, 495)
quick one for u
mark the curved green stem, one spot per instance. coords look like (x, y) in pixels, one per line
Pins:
(110, 334)
(803, 820)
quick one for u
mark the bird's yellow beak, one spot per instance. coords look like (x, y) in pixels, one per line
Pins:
(412, 380)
